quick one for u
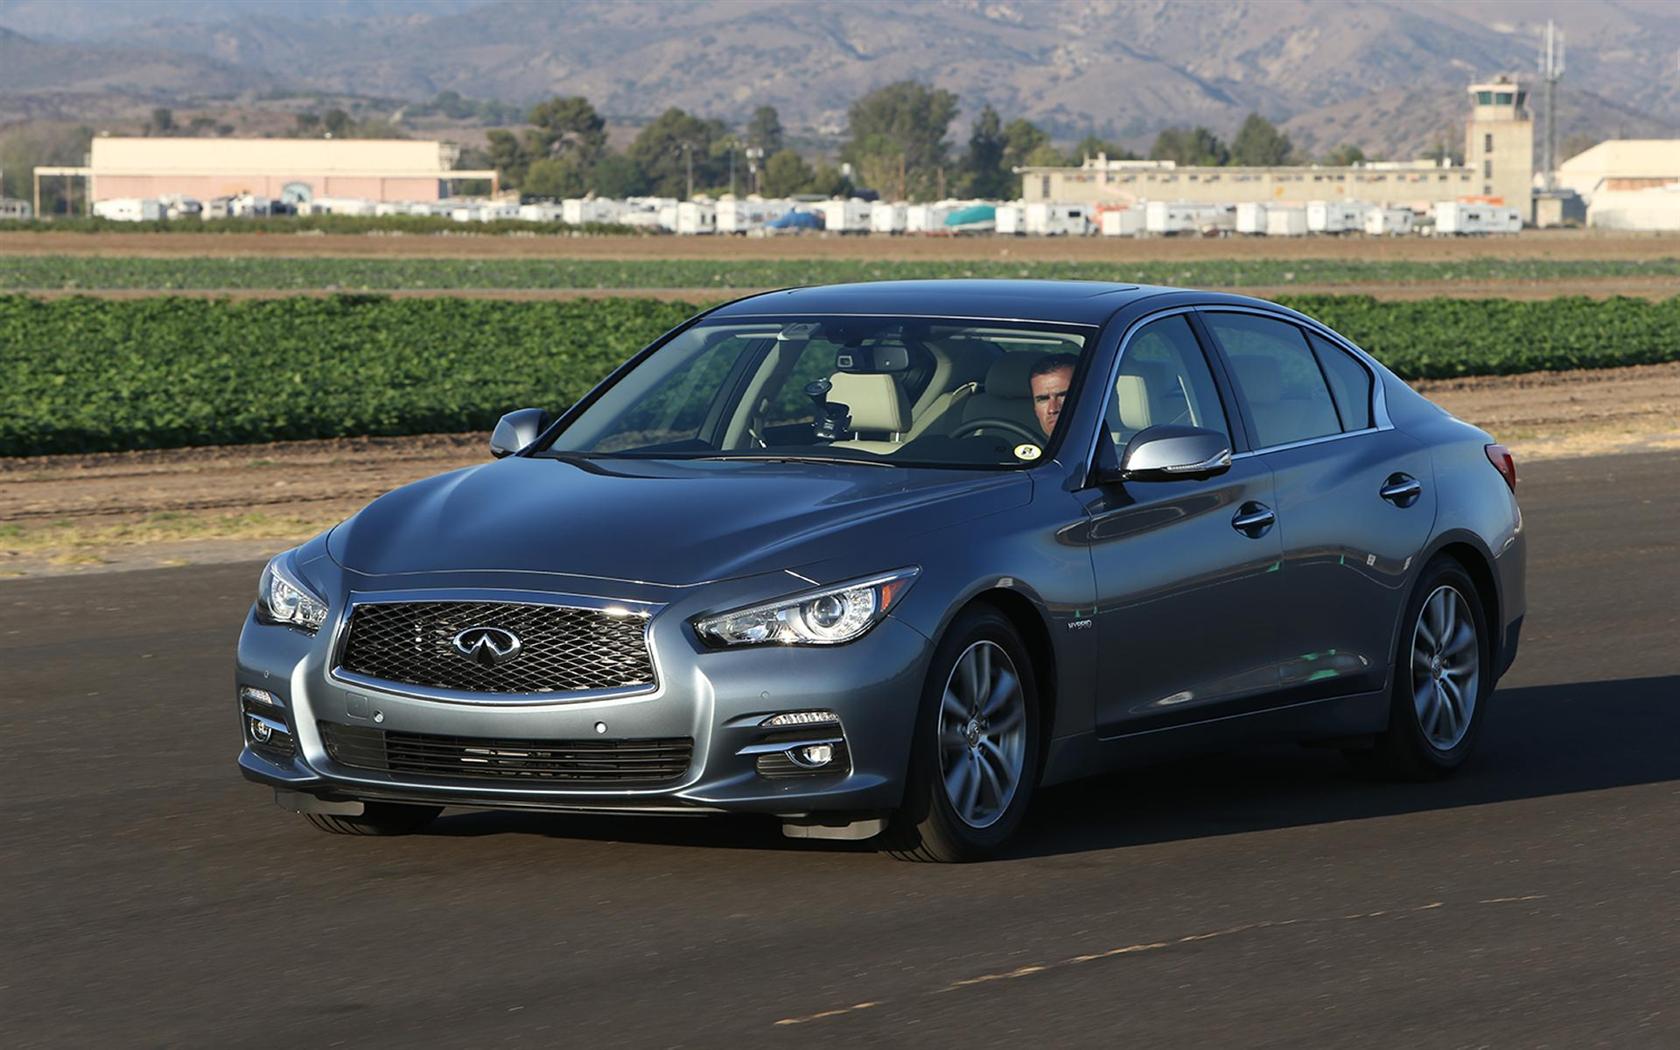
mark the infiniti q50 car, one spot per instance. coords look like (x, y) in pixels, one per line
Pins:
(881, 560)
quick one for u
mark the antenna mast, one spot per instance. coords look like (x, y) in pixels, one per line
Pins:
(1551, 71)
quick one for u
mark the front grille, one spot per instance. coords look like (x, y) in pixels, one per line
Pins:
(561, 649)
(619, 763)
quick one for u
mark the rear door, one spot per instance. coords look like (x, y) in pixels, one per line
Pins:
(1186, 597)
(1355, 498)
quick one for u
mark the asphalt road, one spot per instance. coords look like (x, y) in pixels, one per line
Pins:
(150, 897)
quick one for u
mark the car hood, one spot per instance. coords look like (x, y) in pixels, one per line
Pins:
(667, 522)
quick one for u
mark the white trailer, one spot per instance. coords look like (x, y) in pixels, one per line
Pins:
(888, 217)
(1122, 222)
(749, 215)
(1047, 219)
(1335, 216)
(1011, 219)
(1458, 218)
(1251, 218)
(1169, 217)
(128, 209)
(540, 212)
(1387, 219)
(927, 218)
(13, 209)
(580, 211)
(1286, 222)
(847, 216)
(696, 217)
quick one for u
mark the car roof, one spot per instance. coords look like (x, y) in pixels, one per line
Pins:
(1073, 302)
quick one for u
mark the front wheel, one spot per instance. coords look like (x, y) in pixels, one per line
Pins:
(974, 760)
(1442, 677)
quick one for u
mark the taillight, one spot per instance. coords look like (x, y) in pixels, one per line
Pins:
(1505, 463)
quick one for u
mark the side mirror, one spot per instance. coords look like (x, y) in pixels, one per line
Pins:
(517, 429)
(1173, 453)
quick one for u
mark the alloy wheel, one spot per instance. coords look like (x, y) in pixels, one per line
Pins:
(1446, 667)
(982, 734)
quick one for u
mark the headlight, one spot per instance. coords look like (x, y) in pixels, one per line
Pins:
(282, 599)
(832, 616)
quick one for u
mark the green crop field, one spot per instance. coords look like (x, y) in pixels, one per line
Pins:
(88, 374)
(93, 273)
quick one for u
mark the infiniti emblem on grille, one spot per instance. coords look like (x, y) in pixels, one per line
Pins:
(488, 646)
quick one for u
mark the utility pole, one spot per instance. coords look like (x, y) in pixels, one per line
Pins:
(732, 169)
(1551, 71)
(688, 159)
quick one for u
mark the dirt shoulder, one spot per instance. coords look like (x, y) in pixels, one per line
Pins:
(1535, 244)
(112, 511)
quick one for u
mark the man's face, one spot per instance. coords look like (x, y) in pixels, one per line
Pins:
(1049, 393)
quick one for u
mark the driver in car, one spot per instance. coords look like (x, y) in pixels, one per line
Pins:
(1049, 383)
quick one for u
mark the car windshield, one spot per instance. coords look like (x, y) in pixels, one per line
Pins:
(890, 390)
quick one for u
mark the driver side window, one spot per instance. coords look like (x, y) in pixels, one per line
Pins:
(1163, 379)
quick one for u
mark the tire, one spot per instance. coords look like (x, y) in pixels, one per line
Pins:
(378, 818)
(1422, 741)
(959, 750)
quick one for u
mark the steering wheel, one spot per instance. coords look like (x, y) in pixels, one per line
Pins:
(974, 426)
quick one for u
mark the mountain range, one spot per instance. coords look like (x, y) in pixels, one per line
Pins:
(1389, 76)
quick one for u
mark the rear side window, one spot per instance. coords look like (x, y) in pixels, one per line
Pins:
(1350, 383)
(1277, 377)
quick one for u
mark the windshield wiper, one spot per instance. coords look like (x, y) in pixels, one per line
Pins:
(787, 457)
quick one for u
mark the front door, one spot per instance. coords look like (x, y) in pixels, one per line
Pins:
(1186, 571)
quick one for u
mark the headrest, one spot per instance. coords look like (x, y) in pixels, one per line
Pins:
(1132, 396)
(877, 403)
(1010, 375)
(970, 360)
(1261, 377)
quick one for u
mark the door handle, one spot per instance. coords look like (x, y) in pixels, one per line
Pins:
(1254, 519)
(1402, 490)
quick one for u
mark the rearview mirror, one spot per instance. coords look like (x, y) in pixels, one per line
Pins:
(517, 429)
(1174, 453)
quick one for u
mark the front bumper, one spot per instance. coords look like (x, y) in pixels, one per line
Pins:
(717, 698)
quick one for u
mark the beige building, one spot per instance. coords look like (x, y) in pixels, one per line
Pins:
(1498, 168)
(1499, 144)
(294, 169)
(1621, 165)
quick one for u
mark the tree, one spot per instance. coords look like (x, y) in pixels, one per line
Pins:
(764, 130)
(337, 122)
(1259, 144)
(1092, 145)
(555, 177)
(162, 122)
(29, 146)
(896, 138)
(1344, 156)
(199, 125)
(616, 175)
(1197, 147)
(307, 123)
(507, 155)
(675, 140)
(1047, 156)
(1021, 138)
(566, 127)
(984, 171)
(786, 174)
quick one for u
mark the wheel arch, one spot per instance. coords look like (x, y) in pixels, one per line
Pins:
(1467, 549)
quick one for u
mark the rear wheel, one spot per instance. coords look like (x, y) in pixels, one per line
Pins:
(1442, 675)
(377, 818)
(974, 760)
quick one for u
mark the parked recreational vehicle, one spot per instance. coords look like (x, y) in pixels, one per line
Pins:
(542, 212)
(887, 217)
(1010, 219)
(128, 209)
(1335, 216)
(1057, 220)
(581, 211)
(926, 218)
(1122, 222)
(750, 215)
(1168, 217)
(1251, 218)
(847, 216)
(1388, 219)
(1456, 217)
(1286, 222)
(696, 217)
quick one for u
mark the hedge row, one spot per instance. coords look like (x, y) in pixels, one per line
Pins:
(84, 374)
(41, 272)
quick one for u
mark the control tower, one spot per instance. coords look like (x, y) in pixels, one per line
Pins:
(1499, 143)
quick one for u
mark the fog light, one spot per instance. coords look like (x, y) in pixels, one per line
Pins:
(816, 754)
(800, 718)
(258, 696)
(260, 731)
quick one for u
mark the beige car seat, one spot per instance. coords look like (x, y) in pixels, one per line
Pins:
(879, 409)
